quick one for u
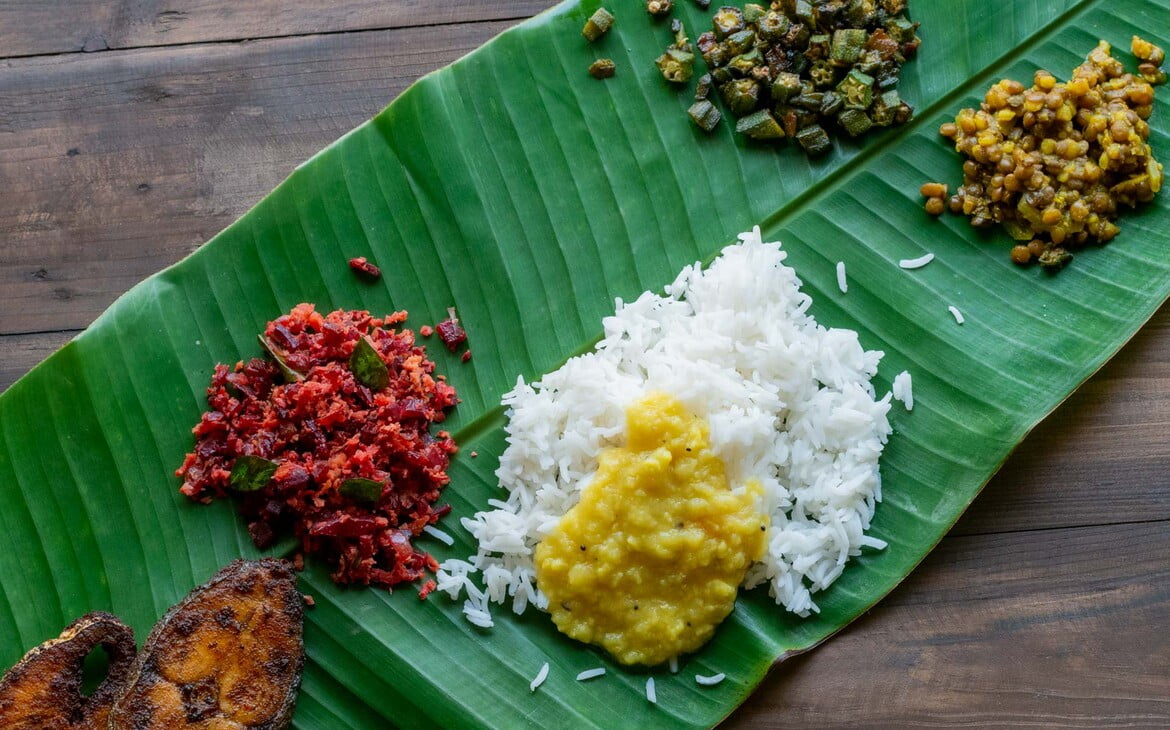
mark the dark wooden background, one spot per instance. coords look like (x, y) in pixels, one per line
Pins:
(131, 131)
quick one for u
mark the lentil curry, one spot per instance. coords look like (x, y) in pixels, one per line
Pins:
(649, 562)
(1054, 163)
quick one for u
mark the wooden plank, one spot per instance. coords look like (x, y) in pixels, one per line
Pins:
(1099, 458)
(116, 165)
(1039, 629)
(22, 352)
(31, 27)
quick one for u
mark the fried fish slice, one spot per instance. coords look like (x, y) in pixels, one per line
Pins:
(43, 691)
(229, 655)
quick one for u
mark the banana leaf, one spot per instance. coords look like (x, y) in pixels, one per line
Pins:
(516, 188)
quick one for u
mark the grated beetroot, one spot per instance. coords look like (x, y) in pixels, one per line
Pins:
(364, 267)
(323, 430)
(450, 332)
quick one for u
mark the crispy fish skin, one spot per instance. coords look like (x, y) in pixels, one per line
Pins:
(43, 691)
(229, 655)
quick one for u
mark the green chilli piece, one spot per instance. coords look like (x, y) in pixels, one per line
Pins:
(362, 489)
(705, 115)
(251, 473)
(367, 365)
(857, 90)
(598, 25)
(760, 125)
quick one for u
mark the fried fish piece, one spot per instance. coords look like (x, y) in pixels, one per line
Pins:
(229, 655)
(43, 691)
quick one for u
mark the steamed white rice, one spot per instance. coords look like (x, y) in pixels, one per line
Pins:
(788, 401)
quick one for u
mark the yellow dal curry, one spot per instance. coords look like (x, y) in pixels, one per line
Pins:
(648, 563)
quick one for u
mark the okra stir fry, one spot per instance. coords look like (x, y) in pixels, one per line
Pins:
(1055, 163)
(799, 69)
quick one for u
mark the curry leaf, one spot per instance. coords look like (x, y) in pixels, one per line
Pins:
(367, 365)
(251, 473)
(290, 375)
(530, 195)
(366, 490)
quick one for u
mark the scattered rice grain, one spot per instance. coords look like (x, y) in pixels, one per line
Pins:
(650, 693)
(590, 674)
(539, 678)
(842, 284)
(903, 389)
(439, 535)
(710, 681)
(917, 263)
(956, 314)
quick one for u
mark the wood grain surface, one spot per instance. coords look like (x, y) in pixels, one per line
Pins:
(131, 132)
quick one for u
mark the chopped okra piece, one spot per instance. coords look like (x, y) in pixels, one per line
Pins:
(822, 73)
(676, 66)
(705, 115)
(745, 62)
(804, 12)
(848, 45)
(598, 25)
(901, 30)
(862, 13)
(811, 101)
(741, 96)
(703, 87)
(894, 7)
(814, 140)
(857, 90)
(785, 87)
(740, 42)
(786, 115)
(727, 20)
(796, 37)
(854, 121)
(715, 54)
(773, 26)
(760, 125)
(818, 47)
(831, 103)
(602, 68)
(753, 12)
(659, 7)
(885, 108)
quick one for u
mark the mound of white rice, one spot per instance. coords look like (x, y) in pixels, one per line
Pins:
(788, 402)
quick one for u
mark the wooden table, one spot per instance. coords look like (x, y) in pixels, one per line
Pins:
(131, 132)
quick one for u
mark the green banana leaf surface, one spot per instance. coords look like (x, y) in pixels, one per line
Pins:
(528, 195)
